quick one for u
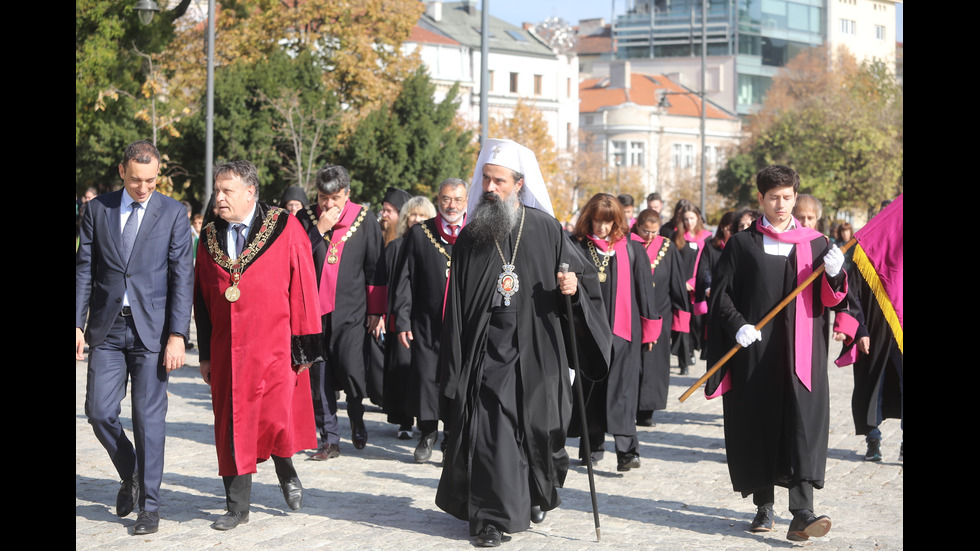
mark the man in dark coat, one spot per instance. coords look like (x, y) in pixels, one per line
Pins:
(348, 257)
(418, 306)
(502, 362)
(776, 396)
(133, 286)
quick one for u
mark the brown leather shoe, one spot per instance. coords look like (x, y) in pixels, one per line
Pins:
(326, 451)
(806, 525)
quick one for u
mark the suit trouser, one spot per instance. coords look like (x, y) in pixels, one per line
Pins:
(800, 497)
(238, 488)
(121, 358)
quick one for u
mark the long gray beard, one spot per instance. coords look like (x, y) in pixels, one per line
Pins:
(493, 219)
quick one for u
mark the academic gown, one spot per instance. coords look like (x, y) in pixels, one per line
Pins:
(361, 290)
(709, 258)
(504, 371)
(684, 344)
(776, 431)
(418, 305)
(611, 402)
(669, 295)
(261, 406)
(876, 373)
(397, 360)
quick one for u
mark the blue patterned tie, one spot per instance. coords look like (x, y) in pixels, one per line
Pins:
(240, 230)
(129, 230)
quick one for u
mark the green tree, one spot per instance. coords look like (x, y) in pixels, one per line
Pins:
(414, 145)
(110, 57)
(275, 113)
(836, 122)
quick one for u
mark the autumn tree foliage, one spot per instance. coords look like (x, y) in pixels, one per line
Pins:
(837, 122)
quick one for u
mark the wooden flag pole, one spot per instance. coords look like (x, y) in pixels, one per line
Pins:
(779, 307)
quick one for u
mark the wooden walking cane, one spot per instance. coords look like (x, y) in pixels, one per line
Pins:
(580, 400)
(758, 327)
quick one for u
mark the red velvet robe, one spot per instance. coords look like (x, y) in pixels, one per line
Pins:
(261, 406)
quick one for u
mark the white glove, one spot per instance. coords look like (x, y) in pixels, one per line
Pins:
(833, 261)
(747, 335)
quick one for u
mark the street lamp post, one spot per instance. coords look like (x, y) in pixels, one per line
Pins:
(664, 104)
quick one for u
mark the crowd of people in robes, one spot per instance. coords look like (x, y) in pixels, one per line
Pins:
(406, 308)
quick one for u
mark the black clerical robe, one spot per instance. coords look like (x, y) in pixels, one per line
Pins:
(504, 371)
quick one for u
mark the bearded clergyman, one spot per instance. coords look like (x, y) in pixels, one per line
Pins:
(503, 359)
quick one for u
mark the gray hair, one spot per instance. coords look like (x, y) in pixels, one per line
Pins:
(244, 170)
(451, 182)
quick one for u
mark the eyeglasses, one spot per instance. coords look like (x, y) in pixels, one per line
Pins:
(446, 201)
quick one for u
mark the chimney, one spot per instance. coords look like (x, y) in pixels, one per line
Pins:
(619, 75)
(470, 6)
(434, 10)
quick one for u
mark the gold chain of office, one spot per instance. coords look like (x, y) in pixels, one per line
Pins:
(249, 253)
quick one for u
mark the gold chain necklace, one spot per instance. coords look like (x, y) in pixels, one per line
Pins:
(439, 247)
(507, 283)
(332, 257)
(660, 256)
(249, 253)
(595, 259)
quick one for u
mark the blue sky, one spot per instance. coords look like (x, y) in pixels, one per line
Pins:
(534, 11)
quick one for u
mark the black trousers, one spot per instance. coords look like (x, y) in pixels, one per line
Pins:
(800, 497)
(238, 488)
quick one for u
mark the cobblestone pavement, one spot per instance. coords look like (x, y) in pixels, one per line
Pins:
(378, 498)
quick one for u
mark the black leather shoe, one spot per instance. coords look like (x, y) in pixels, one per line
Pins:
(148, 522)
(763, 521)
(490, 537)
(627, 462)
(424, 450)
(326, 451)
(537, 515)
(645, 419)
(129, 492)
(358, 434)
(292, 490)
(596, 457)
(230, 520)
(806, 525)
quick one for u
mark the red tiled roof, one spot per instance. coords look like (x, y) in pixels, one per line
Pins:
(595, 93)
(423, 36)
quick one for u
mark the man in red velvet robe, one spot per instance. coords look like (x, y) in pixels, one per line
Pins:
(257, 317)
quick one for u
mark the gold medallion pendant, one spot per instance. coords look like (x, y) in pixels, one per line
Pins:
(602, 277)
(232, 293)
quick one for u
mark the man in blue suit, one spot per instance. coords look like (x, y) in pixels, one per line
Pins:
(134, 282)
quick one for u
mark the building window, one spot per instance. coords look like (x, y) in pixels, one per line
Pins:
(688, 155)
(617, 153)
(636, 157)
(490, 82)
(880, 32)
(513, 83)
(568, 88)
(711, 155)
(537, 85)
(847, 26)
(676, 155)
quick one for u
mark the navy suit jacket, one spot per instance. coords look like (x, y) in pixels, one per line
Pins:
(159, 275)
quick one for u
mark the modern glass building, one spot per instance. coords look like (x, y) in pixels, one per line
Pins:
(760, 35)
